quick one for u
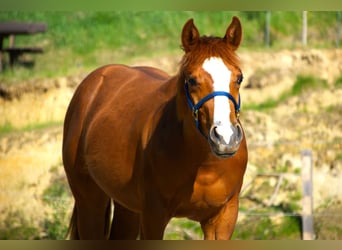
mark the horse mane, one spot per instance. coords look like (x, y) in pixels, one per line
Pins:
(209, 46)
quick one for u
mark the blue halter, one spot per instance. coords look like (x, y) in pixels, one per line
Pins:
(195, 108)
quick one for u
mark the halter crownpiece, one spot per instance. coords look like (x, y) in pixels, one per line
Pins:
(195, 107)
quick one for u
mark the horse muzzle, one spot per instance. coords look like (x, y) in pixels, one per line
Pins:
(225, 140)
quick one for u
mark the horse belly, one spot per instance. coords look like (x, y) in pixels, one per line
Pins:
(110, 151)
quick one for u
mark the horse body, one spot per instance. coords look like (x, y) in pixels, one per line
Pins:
(130, 137)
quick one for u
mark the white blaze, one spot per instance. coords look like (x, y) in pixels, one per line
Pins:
(221, 79)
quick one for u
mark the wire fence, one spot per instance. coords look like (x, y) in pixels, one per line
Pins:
(306, 18)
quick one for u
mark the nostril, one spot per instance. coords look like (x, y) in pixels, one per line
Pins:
(239, 133)
(216, 134)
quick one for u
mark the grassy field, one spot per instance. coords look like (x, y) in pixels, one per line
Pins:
(78, 41)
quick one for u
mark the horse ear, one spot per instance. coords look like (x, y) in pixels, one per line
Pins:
(190, 35)
(234, 33)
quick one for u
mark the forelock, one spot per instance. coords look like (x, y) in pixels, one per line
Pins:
(209, 47)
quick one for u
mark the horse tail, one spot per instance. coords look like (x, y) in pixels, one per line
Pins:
(108, 220)
(72, 233)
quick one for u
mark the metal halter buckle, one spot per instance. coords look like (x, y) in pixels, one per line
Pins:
(195, 114)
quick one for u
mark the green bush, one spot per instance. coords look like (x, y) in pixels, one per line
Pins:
(17, 227)
(57, 196)
(263, 227)
(338, 82)
(301, 85)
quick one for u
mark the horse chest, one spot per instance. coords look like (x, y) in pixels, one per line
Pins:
(213, 193)
(208, 194)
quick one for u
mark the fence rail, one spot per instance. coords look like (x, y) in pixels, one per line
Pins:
(307, 194)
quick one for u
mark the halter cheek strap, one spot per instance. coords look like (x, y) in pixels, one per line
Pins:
(194, 108)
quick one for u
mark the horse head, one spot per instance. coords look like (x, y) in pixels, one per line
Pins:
(212, 77)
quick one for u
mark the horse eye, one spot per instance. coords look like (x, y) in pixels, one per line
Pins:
(239, 79)
(192, 81)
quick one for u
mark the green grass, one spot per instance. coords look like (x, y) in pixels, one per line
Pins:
(301, 85)
(305, 83)
(259, 227)
(37, 126)
(183, 229)
(9, 128)
(338, 82)
(80, 41)
(327, 220)
(58, 197)
(16, 227)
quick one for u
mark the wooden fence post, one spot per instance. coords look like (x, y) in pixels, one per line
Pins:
(307, 212)
(304, 28)
(267, 28)
(338, 29)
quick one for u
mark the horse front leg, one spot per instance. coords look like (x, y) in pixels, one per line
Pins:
(221, 226)
(125, 224)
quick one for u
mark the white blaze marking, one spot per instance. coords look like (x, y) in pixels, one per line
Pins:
(221, 78)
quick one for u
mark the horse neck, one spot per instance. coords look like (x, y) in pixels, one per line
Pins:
(193, 142)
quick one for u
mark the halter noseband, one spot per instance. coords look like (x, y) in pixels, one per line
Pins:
(195, 108)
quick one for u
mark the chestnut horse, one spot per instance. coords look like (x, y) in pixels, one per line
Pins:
(157, 146)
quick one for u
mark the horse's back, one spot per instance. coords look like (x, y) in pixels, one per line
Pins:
(121, 93)
(110, 79)
(111, 85)
(113, 90)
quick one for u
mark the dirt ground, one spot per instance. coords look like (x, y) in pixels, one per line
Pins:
(31, 160)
